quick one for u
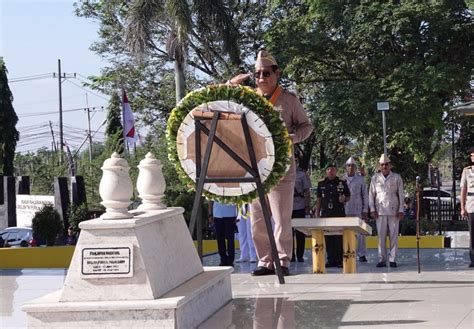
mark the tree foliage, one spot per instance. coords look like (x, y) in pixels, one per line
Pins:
(347, 55)
(8, 119)
(47, 224)
(114, 129)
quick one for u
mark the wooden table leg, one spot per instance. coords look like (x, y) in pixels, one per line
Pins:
(349, 251)
(319, 251)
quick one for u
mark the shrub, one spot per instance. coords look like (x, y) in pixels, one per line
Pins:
(77, 214)
(47, 224)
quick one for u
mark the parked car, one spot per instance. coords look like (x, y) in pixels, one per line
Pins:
(16, 237)
(431, 193)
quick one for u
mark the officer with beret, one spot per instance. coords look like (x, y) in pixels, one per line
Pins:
(467, 201)
(332, 194)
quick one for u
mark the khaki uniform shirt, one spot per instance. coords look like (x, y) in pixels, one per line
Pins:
(358, 202)
(295, 118)
(386, 194)
(467, 180)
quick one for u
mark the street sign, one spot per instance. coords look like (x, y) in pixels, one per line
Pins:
(383, 106)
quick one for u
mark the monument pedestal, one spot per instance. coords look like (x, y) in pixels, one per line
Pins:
(138, 272)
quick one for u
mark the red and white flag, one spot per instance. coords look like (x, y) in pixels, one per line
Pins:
(128, 119)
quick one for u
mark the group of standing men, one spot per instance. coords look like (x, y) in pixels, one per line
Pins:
(348, 196)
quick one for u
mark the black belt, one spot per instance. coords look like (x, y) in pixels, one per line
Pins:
(470, 193)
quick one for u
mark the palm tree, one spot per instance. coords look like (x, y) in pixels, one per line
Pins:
(177, 16)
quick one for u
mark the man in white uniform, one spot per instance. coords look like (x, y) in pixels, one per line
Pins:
(358, 203)
(467, 201)
(386, 207)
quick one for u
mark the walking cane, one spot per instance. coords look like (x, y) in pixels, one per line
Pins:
(418, 222)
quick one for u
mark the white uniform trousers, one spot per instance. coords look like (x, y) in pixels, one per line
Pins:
(361, 249)
(392, 223)
(247, 248)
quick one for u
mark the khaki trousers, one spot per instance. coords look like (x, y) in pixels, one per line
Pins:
(392, 223)
(280, 200)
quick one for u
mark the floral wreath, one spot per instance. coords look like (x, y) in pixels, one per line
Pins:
(250, 99)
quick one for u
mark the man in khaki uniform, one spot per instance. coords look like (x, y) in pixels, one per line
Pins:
(358, 203)
(467, 201)
(386, 206)
(280, 197)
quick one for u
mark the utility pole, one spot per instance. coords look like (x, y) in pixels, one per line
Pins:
(89, 133)
(52, 134)
(60, 114)
(60, 77)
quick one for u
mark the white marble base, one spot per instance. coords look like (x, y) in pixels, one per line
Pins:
(168, 287)
(163, 251)
(184, 307)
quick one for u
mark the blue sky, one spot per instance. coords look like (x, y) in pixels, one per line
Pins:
(34, 34)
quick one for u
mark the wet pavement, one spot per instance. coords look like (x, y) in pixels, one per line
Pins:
(441, 296)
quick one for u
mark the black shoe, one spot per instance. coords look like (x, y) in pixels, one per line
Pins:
(259, 271)
(393, 264)
(381, 264)
(339, 265)
(330, 264)
(301, 260)
(293, 259)
(285, 271)
(472, 264)
(362, 259)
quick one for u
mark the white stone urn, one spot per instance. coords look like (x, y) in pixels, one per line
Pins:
(116, 188)
(151, 184)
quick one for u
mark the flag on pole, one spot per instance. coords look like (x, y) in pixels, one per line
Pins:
(128, 119)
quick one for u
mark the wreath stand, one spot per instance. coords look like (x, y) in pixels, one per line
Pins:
(201, 173)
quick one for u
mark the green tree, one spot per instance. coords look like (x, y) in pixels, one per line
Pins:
(347, 55)
(47, 224)
(114, 129)
(211, 18)
(8, 119)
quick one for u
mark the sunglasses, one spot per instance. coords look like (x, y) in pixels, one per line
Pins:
(350, 165)
(385, 164)
(265, 74)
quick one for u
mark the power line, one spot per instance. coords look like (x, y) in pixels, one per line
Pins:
(33, 114)
(30, 77)
(87, 89)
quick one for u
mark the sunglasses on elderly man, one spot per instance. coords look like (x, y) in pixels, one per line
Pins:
(385, 164)
(265, 74)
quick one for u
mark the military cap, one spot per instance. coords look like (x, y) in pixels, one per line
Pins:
(351, 161)
(384, 159)
(330, 164)
(264, 58)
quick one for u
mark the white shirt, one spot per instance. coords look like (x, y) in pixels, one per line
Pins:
(386, 194)
(359, 199)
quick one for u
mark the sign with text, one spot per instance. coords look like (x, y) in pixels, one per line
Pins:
(107, 262)
(27, 206)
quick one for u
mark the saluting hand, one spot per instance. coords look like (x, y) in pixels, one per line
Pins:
(238, 79)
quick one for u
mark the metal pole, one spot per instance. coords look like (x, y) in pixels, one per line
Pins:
(418, 206)
(438, 183)
(90, 134)
(384, 133)
(60, 115)
(455, 211)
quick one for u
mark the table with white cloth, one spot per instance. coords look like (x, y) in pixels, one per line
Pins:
(317, 228)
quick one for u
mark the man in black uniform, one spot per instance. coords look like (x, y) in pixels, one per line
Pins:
(332, 193)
